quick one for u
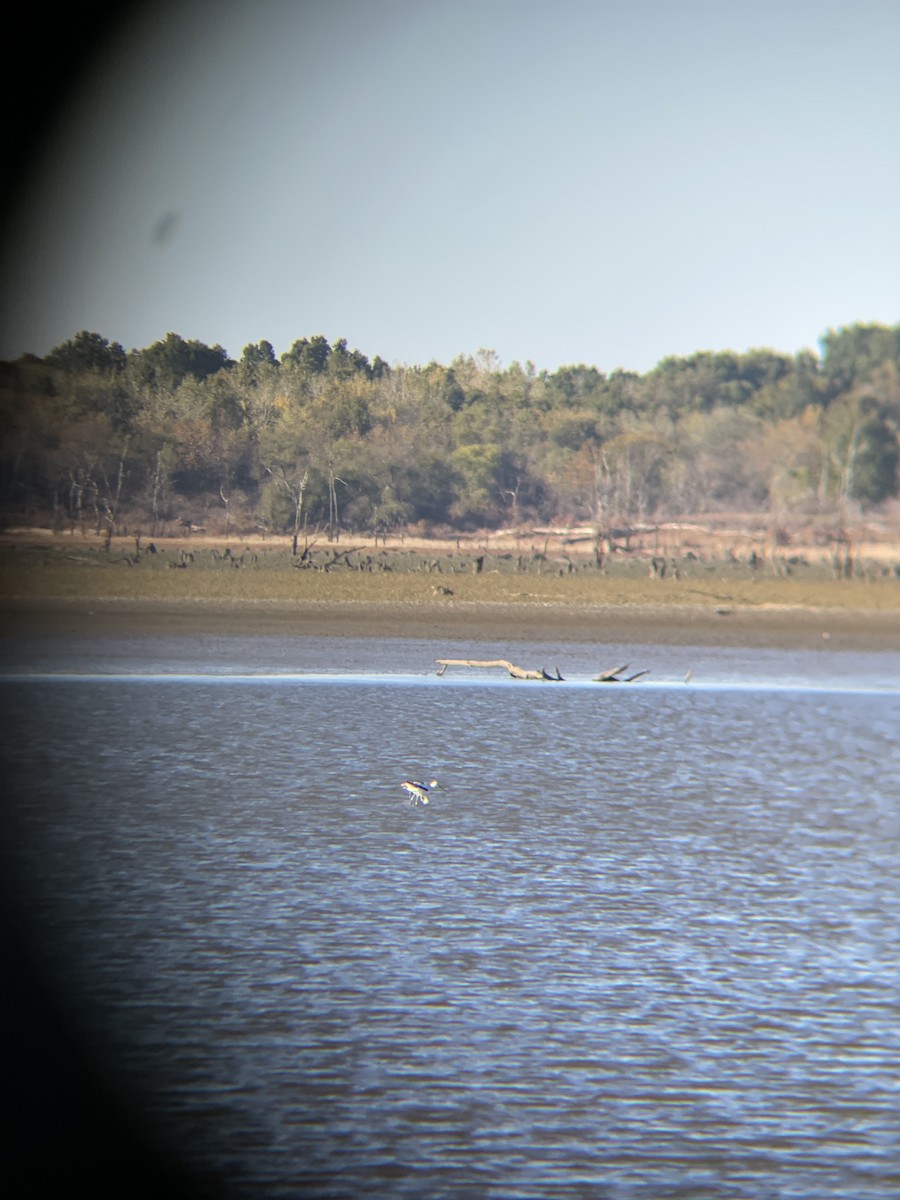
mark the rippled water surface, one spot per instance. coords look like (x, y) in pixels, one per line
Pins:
(643, 943)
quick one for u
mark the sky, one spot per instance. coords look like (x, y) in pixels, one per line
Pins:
(607, 182)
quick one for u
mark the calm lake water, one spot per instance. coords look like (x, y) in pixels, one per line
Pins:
(644, 943)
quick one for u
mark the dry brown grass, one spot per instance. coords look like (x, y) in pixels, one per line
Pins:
(539, 571)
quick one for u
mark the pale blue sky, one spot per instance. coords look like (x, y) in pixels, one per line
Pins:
(567, 181)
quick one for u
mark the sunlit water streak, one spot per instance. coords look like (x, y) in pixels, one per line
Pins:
(644, 942)
(431, 679)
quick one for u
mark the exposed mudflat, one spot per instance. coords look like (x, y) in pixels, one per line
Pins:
(478, 622)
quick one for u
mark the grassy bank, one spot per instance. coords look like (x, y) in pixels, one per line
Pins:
(438, 577)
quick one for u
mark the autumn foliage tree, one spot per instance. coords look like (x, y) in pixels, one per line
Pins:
(323, 438)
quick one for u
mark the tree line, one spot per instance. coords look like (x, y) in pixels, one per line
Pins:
(323, 437)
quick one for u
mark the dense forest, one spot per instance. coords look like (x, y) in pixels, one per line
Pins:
(178, 434)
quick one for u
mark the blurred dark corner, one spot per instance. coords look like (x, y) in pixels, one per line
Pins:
(48, 55)
(64, 1130)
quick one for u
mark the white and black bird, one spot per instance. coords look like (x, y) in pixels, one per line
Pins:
(417, 791)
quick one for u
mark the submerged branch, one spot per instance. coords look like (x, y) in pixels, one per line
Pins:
(614, 675)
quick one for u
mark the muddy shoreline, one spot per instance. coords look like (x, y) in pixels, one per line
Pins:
(476, 622)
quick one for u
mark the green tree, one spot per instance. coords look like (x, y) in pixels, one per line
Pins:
(258, 354)
(863, 450)
(783, 394)
(315, 355)
(88, 374)
(479, 496)
(88, 354)
(167, 363)
(851, 354)
(576, 387)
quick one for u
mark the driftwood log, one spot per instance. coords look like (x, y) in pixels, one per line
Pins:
(514, 671)
(613, 675)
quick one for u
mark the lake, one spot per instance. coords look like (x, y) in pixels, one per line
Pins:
(644, 942)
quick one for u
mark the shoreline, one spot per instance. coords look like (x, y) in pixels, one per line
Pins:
(475, 621)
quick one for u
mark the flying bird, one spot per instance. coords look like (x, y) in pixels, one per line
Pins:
(417, 791)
